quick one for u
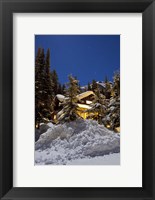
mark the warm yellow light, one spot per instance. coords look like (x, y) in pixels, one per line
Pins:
(117, 129)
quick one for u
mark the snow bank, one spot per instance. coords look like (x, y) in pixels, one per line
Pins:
(75, 140)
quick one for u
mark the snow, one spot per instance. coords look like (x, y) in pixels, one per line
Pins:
(112, 102)
(85, 94)
(88, 102)
(111, 159)
(50, 125)
(101, 83)
(60, 97)
(77, 142)
(80, 105)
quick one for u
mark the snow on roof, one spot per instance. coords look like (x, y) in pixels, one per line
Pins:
(101, 83)
(85, 94)
(60, 97)
(83, 106)
(83, 87)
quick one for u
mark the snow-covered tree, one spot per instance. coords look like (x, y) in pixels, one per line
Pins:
(70, 107)
(94, 86)
(116, 85)
(112, 119)
(48, 96)
(89, 86)
(39, 86)
(98, 106)
(59, 91)
(107, 90)
(55, 83)
(43, 95)
(63, 89)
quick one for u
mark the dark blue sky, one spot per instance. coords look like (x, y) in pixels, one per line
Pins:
(87, 57)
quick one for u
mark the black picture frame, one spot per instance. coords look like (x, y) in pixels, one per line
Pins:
(7, 8)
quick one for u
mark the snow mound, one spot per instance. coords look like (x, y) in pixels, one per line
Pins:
(75, 140)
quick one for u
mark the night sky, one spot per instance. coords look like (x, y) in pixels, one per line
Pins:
(87, 57)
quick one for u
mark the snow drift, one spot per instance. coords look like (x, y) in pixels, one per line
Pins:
(75, 140)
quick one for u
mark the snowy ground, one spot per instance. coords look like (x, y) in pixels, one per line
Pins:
(82, 142)
(110, 159)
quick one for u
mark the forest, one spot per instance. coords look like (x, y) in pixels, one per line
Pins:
(59, 103)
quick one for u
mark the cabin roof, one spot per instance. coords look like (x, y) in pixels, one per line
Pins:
(85, 94)
(61, 97)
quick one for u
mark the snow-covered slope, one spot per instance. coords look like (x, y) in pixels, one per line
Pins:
(81, 139)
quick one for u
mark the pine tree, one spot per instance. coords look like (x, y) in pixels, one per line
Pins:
(78, 84)
(94, 86)
(39, 86)
(116, 104)
(107, 90)
(70, 107)
(63, 89)
(89, 87)
(59, 88)
(116, 86)
(48, 97)
(80, 89)
(106, 79)
(43, 95)
(54, 80)
(113, 111)
(98, 106)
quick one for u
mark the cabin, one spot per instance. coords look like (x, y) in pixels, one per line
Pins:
(85, 100)
(84, 103)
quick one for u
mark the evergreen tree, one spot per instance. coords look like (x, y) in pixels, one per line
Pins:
(89, 87)
(55, 84)
(116, 86)
(63, 89)
(106, 79)
(116, 99)
(94, 86)
(39, 86)
(113, 110)
(43, 95)
(59, 89)
(107, 90)
(98, 106)
(48, 97)
(70, 108)
(78, 84)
